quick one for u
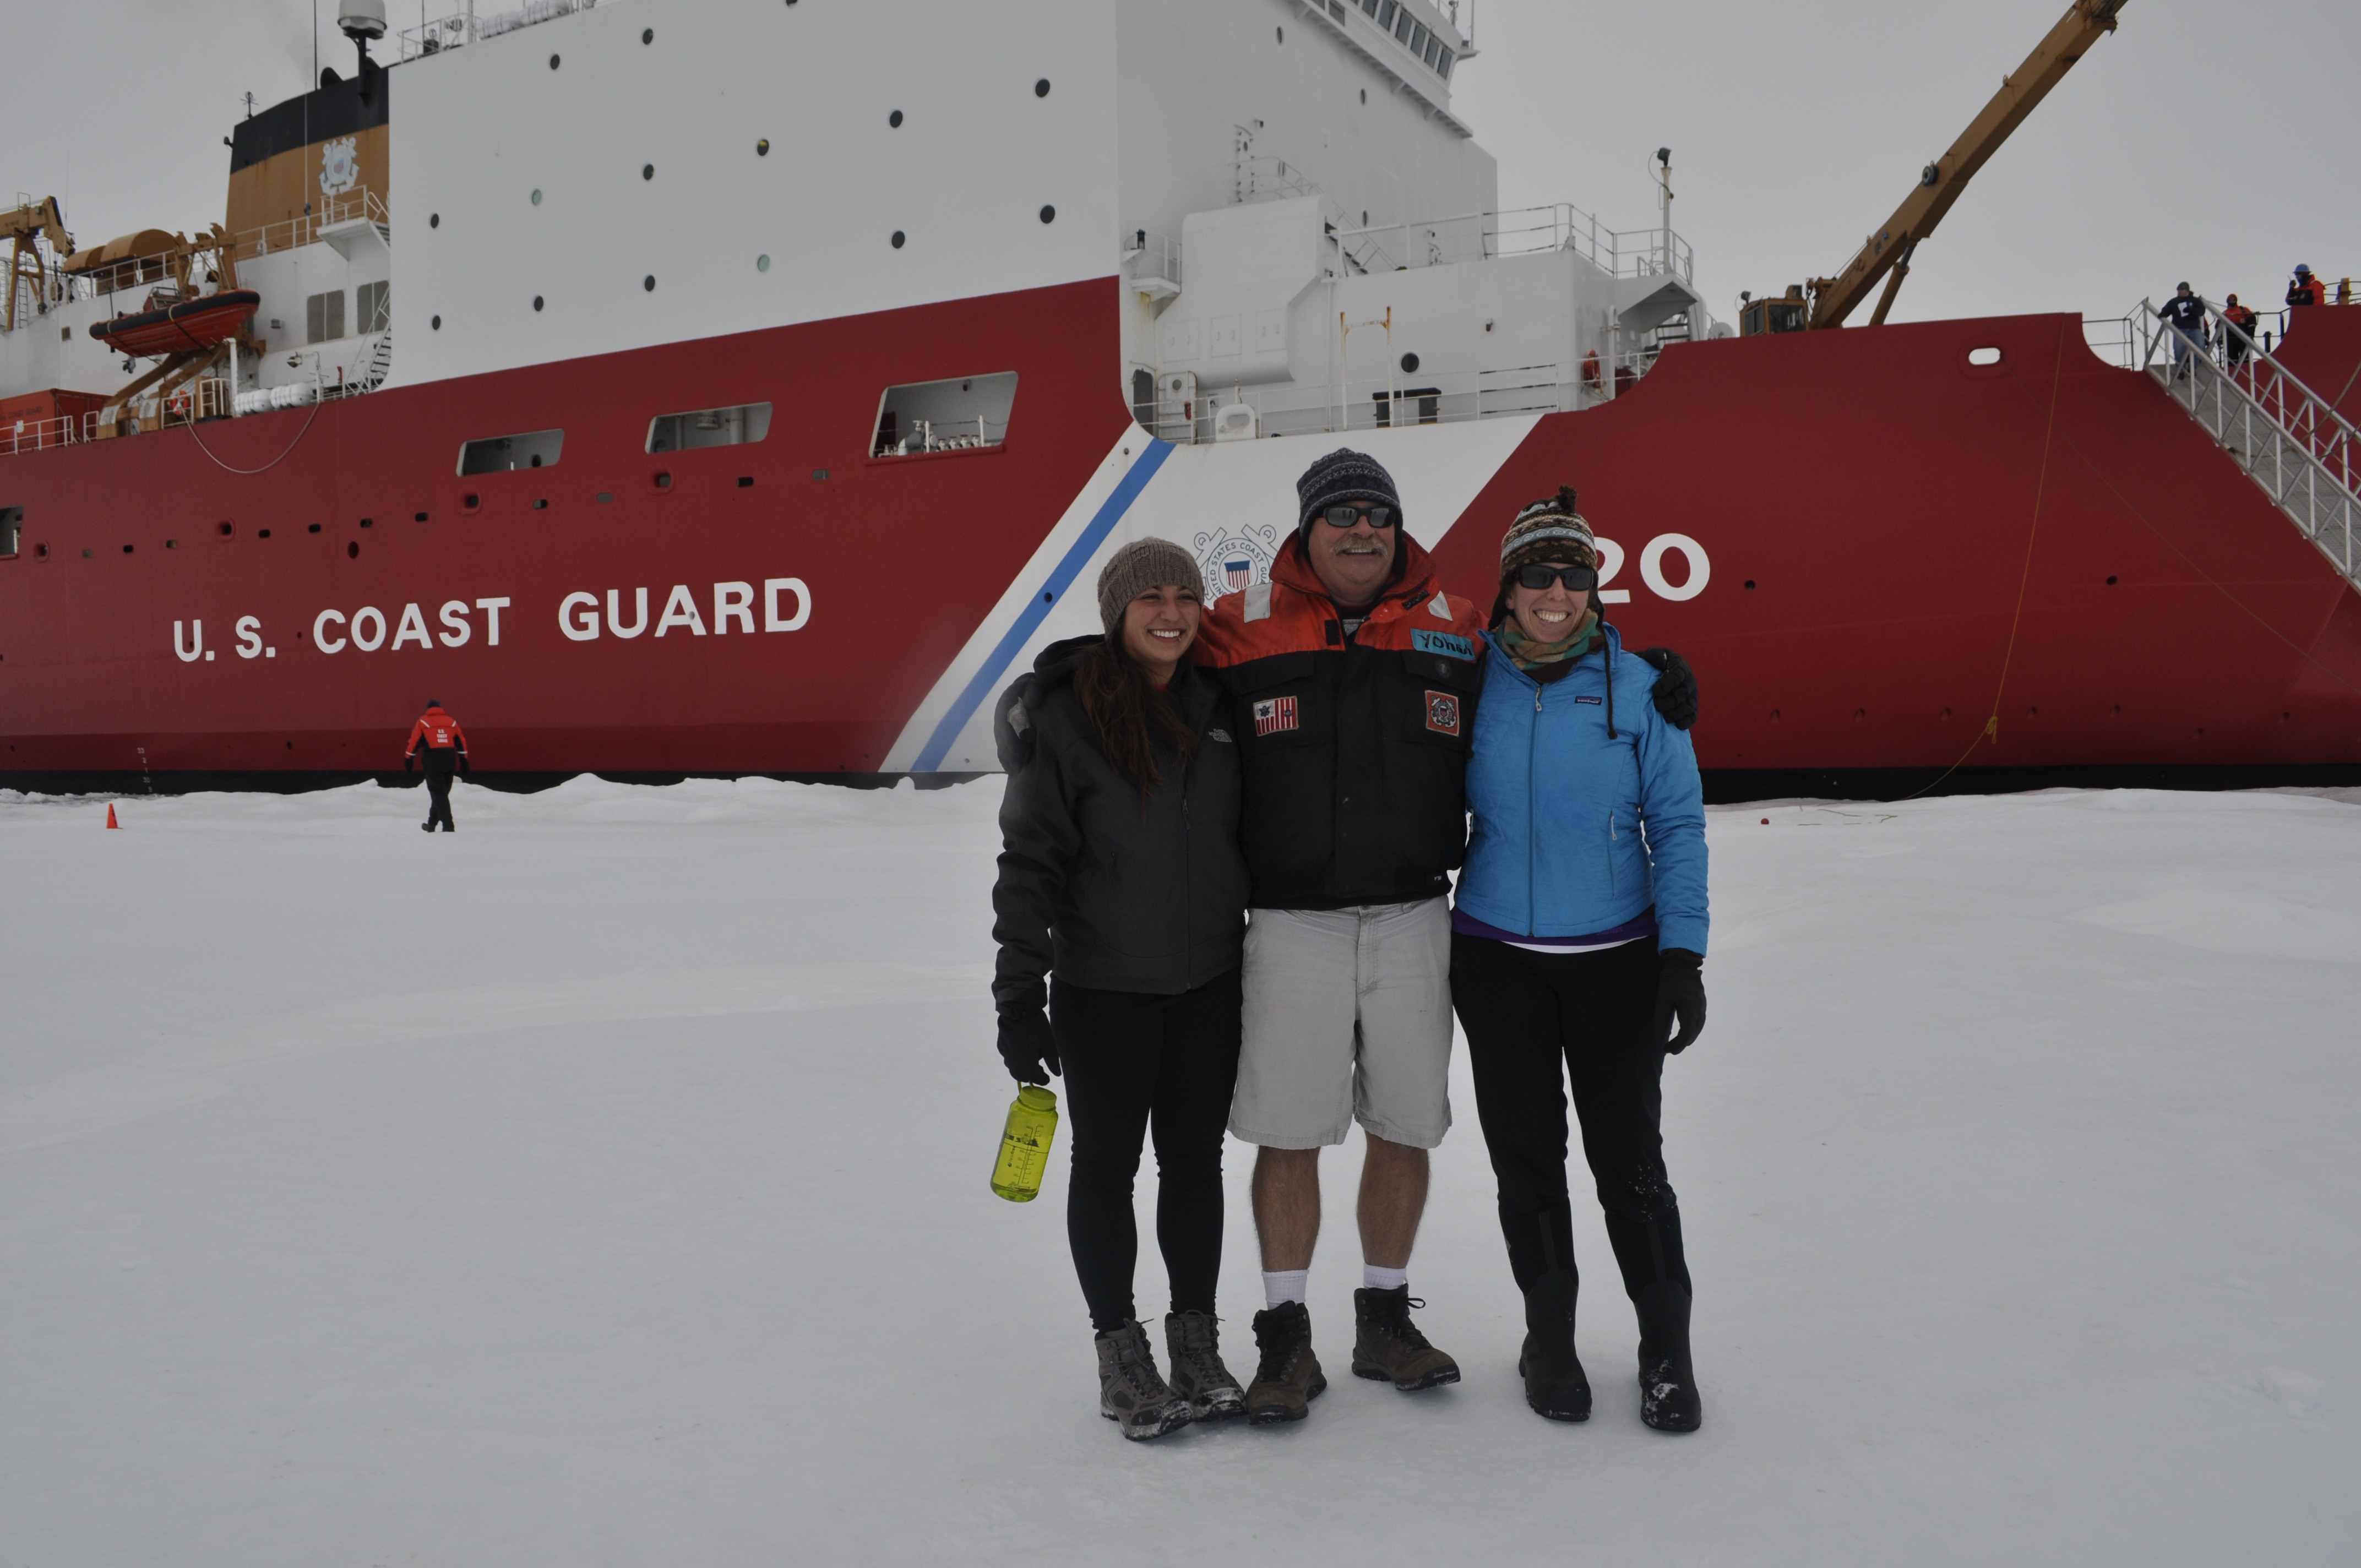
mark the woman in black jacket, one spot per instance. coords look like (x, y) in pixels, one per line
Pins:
(1121, 885)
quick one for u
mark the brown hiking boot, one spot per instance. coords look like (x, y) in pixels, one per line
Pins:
(1289, 1378)
(1387, 1346)
(1131, 1394)
(1192, 1345)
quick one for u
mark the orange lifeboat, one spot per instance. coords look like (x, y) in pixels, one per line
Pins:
(199, 324)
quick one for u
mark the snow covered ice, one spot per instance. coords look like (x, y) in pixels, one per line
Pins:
(606, 1184)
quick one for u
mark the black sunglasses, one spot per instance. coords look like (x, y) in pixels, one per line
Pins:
(1577, 580)
(1346, 516)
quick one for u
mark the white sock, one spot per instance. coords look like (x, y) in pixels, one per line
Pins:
(1376, 1279)
(1285, 1285)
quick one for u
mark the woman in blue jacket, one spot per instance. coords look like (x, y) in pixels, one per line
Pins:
(1577, 941)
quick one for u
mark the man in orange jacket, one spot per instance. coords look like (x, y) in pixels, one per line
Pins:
(445, 746)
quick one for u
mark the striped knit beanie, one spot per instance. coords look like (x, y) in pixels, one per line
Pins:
(1344, 475)
(1142, 565)
(1548, 530)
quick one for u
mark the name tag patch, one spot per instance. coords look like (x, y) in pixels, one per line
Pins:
(1591, 701)
(1441, 712)
(1450, 644)
(1273, 714)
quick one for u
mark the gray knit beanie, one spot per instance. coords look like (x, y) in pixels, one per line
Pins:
(1142, 565)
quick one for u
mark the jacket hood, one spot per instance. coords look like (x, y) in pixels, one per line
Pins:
(1055, 664)
(1413, 575)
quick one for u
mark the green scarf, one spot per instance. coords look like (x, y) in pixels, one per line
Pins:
(1526, 653)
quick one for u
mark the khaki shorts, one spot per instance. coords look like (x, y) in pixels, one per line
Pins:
(1348, 1018)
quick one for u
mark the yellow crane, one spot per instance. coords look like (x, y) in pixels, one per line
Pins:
(25, 227)
(1885, 254)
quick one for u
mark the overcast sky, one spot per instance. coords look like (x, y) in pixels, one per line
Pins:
(2208, 141)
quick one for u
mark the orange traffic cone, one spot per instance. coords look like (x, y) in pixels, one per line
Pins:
(111, 822)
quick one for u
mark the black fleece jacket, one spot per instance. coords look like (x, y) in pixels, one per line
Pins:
(1107, 894)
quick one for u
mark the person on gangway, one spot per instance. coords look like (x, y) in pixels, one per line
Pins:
(2241, 341)
(2185, 314)
(445, 745)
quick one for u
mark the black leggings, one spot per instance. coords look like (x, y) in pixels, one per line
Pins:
(1132, 1062)
(1533, 1021)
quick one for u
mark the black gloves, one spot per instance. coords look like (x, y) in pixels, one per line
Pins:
(1680, 989)
(1028, 1047)
(1677, 687)
(409, 763)
(463, 764)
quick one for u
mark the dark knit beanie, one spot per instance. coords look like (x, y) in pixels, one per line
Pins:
(1142, 565)
(1344, 475)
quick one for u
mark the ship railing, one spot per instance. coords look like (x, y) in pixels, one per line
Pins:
(306, 227)
(41, 434)
(1152, 263)
(1197, 414)
(1519, 231)
(2288, 438)
(464, 27)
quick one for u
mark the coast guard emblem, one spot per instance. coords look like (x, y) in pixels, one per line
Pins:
(1235, 558)
(1441, 713)
(340, 166)
(1273, 714)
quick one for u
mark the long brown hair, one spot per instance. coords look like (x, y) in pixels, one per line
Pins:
(1130, 715)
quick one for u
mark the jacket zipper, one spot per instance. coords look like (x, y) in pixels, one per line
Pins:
(1533, 808)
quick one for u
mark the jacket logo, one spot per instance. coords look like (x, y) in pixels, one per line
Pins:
(1441, 712)
(1592, 700)
(1448, 643)
(1221, 735)
(1273, 714)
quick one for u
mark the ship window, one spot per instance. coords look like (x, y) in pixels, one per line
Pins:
(1443, 64)
(957, 415)
(11, 526)
(535, 449)
(1386, 9)
(741, 427)
(323, 316)
(1370, 6)
(1433, 47)
(375, 306)
(1402, 25)
(1418, 38)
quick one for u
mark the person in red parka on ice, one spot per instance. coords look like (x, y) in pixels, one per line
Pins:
(445, 746)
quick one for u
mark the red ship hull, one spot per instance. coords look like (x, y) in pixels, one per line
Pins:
(1931, 545)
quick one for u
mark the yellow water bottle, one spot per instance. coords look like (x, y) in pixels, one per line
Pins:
(1025, 1145)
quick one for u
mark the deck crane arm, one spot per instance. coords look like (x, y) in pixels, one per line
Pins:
(1886, 253)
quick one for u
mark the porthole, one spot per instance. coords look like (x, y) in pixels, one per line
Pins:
(40, 552)
(553, 63)
(1282, 34)
(418, 516)
(897, 239)
(435, 220)
(762, 148)
(1041, 88)
(894, 119)
(761, 264)
(536, 301)
(536, 198)
(647, 171)
(649, 283)
(312, 529)
(128, 549)
(1409, 362)
(541, 505)
(352, 550)
(1365, 98)
(1049, 214)
(436, 324)
(369, 522)
(647, 35)
(225, 530)
(171, 544)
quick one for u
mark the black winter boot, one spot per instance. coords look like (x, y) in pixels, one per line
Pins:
(1554, 1384)
(1668, 1390)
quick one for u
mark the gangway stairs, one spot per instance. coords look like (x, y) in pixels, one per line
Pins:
(2288, 438)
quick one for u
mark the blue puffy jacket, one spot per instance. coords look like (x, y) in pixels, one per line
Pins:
(1560, 809)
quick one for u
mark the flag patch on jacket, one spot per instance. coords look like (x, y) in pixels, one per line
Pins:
(1441, 712)
(1273, 714)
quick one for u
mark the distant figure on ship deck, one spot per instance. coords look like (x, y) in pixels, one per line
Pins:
(2307, 289)
(445, 747)
(2238, 343)
(2185, 314)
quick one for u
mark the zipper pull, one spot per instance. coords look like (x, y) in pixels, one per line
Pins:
(1537, 699)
